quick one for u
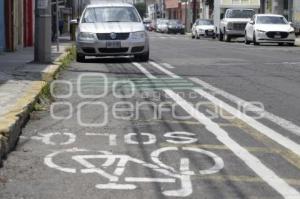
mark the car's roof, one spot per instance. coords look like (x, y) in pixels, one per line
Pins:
(268, 15)
(109, 4)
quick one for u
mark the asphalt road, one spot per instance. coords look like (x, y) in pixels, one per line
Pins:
(202, 119)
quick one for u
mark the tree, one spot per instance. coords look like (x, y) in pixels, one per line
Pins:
(141, 7)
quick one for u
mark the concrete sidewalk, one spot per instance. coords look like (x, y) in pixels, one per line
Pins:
(21, 82)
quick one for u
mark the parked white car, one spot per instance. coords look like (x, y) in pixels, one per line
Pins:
(203, 27)
(269, 28)
(162, 25)
(111, 29)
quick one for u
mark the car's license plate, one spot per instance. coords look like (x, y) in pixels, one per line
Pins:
(277, 36)
(113, 44)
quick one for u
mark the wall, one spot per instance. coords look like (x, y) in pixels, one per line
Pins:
(2, 26)
(277, 6)
(28, 23)
(9, 25)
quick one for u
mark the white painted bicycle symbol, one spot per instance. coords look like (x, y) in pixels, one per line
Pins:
(121, 163)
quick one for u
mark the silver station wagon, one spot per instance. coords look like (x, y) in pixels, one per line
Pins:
(111, 29)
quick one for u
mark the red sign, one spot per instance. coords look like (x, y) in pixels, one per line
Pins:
(171, 4)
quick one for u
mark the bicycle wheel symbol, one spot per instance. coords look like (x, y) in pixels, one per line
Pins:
(117, 177)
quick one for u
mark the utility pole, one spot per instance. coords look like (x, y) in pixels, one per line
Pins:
(262, 6)
(194, 11)
(186, 15)
(57, 27)
(42, 45)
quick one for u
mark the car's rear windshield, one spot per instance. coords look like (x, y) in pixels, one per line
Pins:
(110, 14)
(271, 20)
(240, 14)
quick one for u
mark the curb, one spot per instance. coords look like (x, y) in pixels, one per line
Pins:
(14, 120)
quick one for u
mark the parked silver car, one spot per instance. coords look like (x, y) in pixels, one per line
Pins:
(162, 25)
(111, 29)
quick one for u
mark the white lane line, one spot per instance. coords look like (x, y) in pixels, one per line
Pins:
(250, 160)
(144, 70)
(173, 75)
(283, 123)
(169, 66)
(273, 135)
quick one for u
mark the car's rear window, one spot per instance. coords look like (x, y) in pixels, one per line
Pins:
(110, 14)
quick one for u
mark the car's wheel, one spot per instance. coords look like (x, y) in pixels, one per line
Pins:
(247, 42)
(193, 36)
(227, 37)
(143, 57)
(80, 57)
(280, 44)
(254, 40)
(182, 32)
(221, 36)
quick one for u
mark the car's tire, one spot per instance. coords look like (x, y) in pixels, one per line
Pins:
(247, 42)
(280, 44)
(142, 57)
(221, 36)
(193, 36)
(80, 58)
(254, 40)
(227, 37)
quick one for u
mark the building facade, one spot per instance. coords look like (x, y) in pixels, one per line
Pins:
(288, 8)
(19, 23)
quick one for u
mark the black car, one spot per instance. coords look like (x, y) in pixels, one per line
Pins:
(176, 26)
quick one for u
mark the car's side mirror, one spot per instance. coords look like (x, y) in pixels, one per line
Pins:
(74, 21)
(291, 23)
